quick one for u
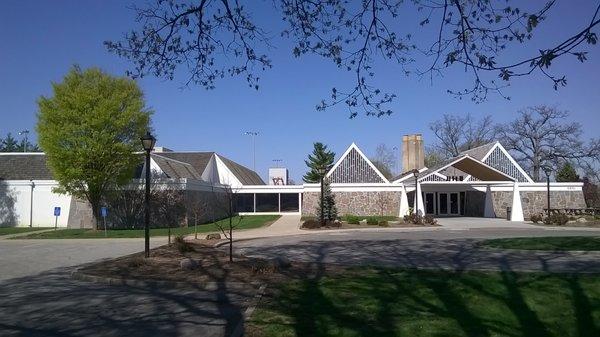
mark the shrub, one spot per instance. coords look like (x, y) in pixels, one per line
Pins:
(351, 219)
(334, 223)
(414, 219)
(182, 245)
(430, 220)
(383, 223)
(537, 218)
(311, 224)
(556, 219)
(372, 221)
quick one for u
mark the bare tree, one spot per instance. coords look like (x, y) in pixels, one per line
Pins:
(542, 136)
(433, 156)
(384, 160)
(225, 199)
(197, 207)
(456, 133)
(214, 39)
(169, 208)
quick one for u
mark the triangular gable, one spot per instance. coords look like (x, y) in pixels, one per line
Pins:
(407, 175)
(470, 165)
(354, 167)
(501, 160)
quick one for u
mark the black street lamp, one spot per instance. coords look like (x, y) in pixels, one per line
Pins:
(415, 173)
(547, 171)
(148, 142)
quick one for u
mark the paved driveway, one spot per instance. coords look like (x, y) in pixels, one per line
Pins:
(39, 298)
(445, 249)
(32, 256)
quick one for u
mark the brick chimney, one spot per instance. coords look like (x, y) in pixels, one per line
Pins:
(413, 155)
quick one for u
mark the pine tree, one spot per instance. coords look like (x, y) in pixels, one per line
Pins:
(567, 173)
(328, 205)
(321, 157)
(9, 144)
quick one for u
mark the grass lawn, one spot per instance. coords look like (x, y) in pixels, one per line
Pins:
(547, 243)
(247, 222)
(17, 230)
(389, 302)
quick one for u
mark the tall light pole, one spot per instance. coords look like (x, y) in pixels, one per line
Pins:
(322, 170)
(148, 142)
(24, 133)
(253, 134)
(548, 172)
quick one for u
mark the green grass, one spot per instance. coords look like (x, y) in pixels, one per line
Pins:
(587, 243)
(247, 222)
(17, 230)
(387, 302)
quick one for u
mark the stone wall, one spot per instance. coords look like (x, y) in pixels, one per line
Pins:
(534, 202)
(356, 203)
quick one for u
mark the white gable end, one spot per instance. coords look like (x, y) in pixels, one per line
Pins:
(354, 167)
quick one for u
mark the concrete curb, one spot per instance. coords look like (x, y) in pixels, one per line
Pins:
(239, 329)
(121, 281)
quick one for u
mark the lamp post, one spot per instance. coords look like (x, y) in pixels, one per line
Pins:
(415, 173)
(148, 142)
(24, 133)
(547, 171)
(253, 134)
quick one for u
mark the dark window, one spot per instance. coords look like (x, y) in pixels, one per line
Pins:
(267, 202)
(245, 202)
(462, 203)
(289, 202)
(454, 203)
(429, 203)
(443, 203)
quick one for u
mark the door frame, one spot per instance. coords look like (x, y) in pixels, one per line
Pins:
(448, 207)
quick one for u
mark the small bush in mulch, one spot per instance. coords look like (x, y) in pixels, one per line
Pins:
(414, 219)
(311, 224)
(352, 219)
(182, 246)
(556, 219)
(430, 220)
(536, 218)
(372, 221)
(383, 223)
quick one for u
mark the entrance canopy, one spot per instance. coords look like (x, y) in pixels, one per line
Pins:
(471, 166)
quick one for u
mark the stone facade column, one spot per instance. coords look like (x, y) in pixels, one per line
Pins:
(403, 202)
(419, 200)
(488, 211)
(516, 211)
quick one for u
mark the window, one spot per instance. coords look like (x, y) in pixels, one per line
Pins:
(267, 202)
(245, 202)
(289, 202)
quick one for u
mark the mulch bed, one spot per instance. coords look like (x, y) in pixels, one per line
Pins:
(354, 226)
(213, 266)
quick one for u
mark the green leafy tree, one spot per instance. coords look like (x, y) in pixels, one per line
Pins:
(90, 129)
(567, 173)
(320, 158)
(328, 204)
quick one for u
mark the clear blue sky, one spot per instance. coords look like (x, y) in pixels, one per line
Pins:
(42, 39)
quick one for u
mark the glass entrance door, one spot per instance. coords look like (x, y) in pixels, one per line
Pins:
(448, 203)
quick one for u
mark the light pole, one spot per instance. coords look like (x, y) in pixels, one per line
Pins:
(253, 134)
(415, 173)
(277, 162)
(547, 171)
(148, 142)
(24, 133)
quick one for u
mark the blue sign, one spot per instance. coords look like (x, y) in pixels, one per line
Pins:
(56, 211)
(103, 212)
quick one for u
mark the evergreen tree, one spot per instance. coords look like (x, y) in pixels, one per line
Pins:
(321, 157)
(567, 174)
(328, 205)
(10, 144)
